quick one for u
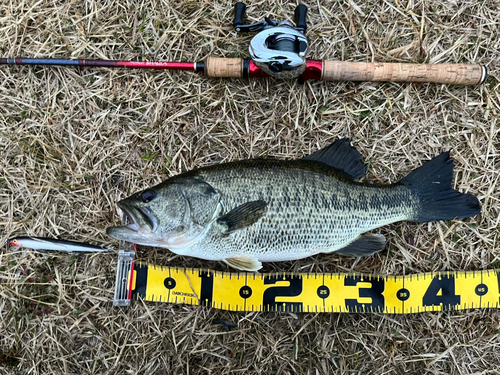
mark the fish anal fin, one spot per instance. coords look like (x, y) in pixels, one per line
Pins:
(242, 216)
(342, 156)
(363, 245)
(250, 264)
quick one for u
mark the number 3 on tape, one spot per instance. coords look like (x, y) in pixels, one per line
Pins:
(310, 292)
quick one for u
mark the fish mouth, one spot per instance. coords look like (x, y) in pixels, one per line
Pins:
(139, 218)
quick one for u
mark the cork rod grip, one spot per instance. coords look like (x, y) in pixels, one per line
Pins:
(224, 68)
(461, 74)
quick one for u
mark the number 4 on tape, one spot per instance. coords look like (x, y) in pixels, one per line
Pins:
(310, 292)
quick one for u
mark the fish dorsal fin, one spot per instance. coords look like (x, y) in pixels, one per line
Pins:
(242, 216)
(249, 263)
(341, 155)
(365, 244)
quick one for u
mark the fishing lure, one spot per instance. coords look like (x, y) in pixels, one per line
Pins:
(40, 243)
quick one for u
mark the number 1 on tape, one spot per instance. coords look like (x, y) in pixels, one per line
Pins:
(310, 292)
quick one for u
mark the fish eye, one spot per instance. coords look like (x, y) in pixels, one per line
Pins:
(15, 241)
(148, 196)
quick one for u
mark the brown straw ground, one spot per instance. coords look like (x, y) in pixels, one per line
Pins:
(74, 141)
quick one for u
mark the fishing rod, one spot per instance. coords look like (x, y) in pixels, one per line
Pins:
(279, 50)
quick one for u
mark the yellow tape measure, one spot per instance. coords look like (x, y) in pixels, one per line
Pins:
(311, 292)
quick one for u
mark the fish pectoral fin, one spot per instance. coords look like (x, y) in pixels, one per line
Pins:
(244, 263)
(341, 155)
(242, 216)
(365, 244)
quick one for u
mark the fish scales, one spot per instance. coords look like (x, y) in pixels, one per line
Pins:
(309, 210)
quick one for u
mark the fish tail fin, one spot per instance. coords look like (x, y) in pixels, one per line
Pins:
(438, 200)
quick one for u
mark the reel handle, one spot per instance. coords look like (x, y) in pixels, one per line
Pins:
(299, 17)
(459, 74)
(240, 26)
(239, 13)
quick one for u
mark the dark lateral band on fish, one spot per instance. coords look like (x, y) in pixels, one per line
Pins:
(42, 243)
(267, 210)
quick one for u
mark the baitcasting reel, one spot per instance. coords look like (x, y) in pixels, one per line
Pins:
(279, 49)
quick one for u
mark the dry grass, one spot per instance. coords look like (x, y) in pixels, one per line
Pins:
(74, 141)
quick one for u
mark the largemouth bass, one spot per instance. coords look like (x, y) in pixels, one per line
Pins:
(264, 210)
